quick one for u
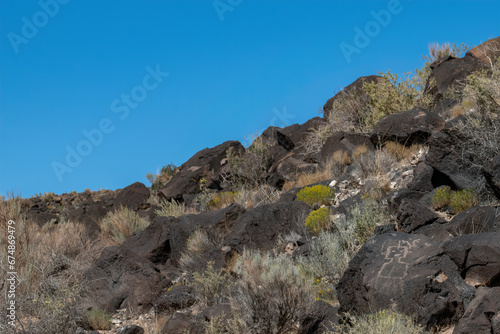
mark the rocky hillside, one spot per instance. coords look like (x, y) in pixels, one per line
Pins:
(385, 210)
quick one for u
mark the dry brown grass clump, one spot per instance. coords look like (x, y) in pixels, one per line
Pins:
(118, 225)
(402, 152)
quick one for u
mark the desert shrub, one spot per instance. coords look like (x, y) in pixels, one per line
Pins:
(211, 286)
(159, 180)
(365, 219)
(441, 197)
(49, 263)
(223, 199)
(393, 95)
(347, 112)
(305, 179)
(319, 194)
(271, 293)
(463, 199)
(316, 138)
(382, 322)
(198, 243)
(318, 220)
(118, 225)
(249, 170)
(99, 319)
(374, 163)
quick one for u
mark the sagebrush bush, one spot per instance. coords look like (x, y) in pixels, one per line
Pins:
(271, 294)
(318, 220)
(318, 194)
(463, 199)
(374, 163)
(49, 264)
(198, 243)
(118, 225)
(249, 170)
(382, 322)
(365, 219)
(211, 286)
(329, 254)
(441, 197)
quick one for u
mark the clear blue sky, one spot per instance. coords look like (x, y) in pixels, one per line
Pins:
(234, 68)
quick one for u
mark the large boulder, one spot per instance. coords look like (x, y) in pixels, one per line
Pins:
(176, 298)
(407, 127)
(122, 279)
(444, 157)
(353, 89)
(482, 316)
(165, 237)
(491, 172)
(413, 215)
(208, 164)
(477, 257)
(180, 323)
(259, 228)
(408, 273)
(321, 319)
(487, 52)
(132, 197)
(449, 71)
(477, 219)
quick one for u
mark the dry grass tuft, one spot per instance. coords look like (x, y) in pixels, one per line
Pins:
(118, 225)
(400, 151)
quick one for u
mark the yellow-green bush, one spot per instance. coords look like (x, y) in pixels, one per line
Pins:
(458, 200)
(318, 220)
(98, 319)
(319, 194)
(223, 199)
(463, 199)
(442, 197)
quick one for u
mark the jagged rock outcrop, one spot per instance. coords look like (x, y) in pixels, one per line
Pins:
(407, 127)
(482, 316)
(207, 163)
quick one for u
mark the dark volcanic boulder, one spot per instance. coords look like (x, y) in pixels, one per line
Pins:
(165, 237)
(487, 52)
(131, 329)
(258, 228)
(180, 323)
(477, 219)
(491, 172)
(320, 319)
(176, 298)
(477, 257)
(407, 273)
(132, 196)
(204, 164)
(407, 127)
(478, 316)
(342, 141)
(449, 71)
(444, 157)
(353, 89)
(412, 215)
(422, 178)
(122, 279)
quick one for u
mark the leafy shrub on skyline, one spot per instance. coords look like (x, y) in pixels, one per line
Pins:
(159, 180)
